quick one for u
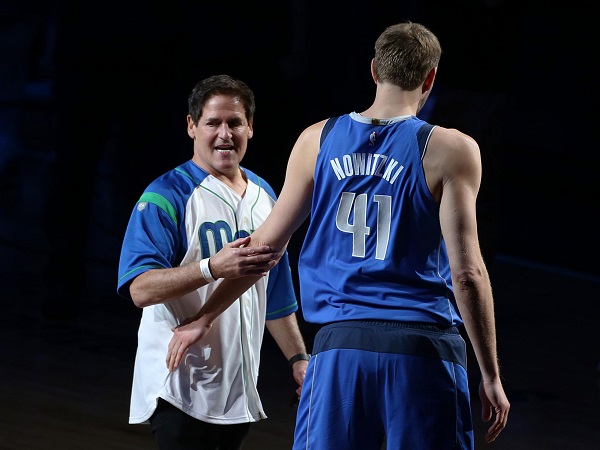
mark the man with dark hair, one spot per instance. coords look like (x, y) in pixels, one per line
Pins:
(189, 230)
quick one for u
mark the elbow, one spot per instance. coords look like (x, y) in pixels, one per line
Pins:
(140, 301)
(140, 297)
(469, 278)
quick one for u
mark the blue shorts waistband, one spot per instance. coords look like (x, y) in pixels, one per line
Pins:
(417, 339)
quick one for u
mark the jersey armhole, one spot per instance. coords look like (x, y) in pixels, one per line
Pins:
(423, 138)
(327, 128)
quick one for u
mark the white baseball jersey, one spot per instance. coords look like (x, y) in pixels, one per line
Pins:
(187, 215)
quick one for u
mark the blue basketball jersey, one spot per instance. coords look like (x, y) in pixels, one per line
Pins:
(374, 249)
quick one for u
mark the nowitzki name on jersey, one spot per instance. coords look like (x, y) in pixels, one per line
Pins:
(373, 164)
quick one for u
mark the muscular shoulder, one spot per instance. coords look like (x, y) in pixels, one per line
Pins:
(306, 149)
(312, 134)
(451, 154)
(450, 140)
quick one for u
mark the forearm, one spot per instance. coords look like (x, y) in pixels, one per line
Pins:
(476, 306)
(286, 333)
(234, 260)
(196, 327)
(164, 285)
(223, 297)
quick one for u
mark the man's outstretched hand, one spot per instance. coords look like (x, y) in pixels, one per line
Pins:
(184, 336)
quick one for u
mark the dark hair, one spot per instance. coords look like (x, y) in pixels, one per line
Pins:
(405, 53)
(220, 85)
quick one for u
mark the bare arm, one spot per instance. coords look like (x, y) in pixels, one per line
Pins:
(232, 261)
(289, 212)
(287, 334)
(458, 168)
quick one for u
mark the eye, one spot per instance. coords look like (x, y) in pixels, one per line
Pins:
(212, 123)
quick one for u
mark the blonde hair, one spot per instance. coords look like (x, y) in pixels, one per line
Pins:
(405, 53)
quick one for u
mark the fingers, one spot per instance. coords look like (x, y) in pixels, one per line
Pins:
(260, 253)
(175, 352)
(299, 372)
(174, 358)
(171, 359)
(498, 425)
(496, 428)
(237, 262)
(494, 405)
(240, 246)
(240, 242)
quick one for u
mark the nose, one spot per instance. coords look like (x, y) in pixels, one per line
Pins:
(225, 131)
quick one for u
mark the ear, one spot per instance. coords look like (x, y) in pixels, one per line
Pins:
(373, 73)
(428, 83)
(190, 127)
(250, 128)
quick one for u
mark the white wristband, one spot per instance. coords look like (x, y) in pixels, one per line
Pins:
(206, 270)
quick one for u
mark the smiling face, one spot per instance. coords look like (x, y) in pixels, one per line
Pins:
(221, 137)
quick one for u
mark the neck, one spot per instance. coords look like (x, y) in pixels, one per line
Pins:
(391, 101)
(233, 177)
(237, 183)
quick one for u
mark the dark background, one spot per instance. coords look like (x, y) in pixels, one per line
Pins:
(113, 82)
(93, 100)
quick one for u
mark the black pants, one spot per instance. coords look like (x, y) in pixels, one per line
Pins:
(175, 430)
